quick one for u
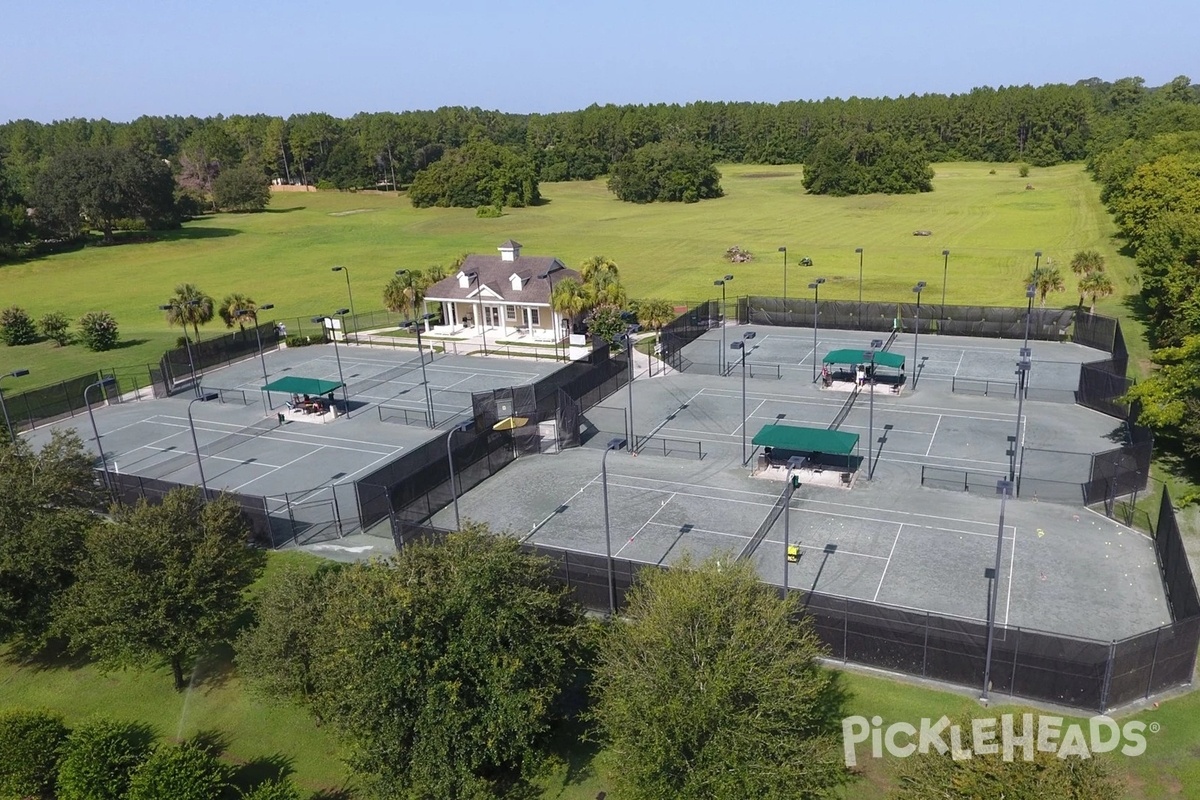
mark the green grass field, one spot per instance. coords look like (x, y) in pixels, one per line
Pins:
(991, 224)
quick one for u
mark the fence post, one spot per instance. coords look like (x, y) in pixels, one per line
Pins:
(1153, 663)
(1012, 686)
(1108, 671)
(845, 632)
(291, 518)
(67, 397)
(337, 513)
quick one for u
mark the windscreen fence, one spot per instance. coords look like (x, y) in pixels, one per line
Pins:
(1080, 673)
(183, 367)
(44, 404)
(1051, 324)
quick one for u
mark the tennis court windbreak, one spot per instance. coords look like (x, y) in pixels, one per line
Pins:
(848, 356)
(806, 440)
(296, 385)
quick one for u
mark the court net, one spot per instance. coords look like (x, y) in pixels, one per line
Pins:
(387, 376)
(226, 442)
(783, 501)
(844, 411)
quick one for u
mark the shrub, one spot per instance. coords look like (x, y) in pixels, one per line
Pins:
(99, 759)
(297, 340)
(98, 331)
(494, 211)
(56, 327)
(30, 747)
(273, 790)
(16, 328)
(1023, 171)
(180, 772)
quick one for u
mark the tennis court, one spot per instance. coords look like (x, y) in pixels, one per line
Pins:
(919, 549)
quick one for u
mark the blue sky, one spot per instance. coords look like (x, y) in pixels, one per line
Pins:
(65, 58)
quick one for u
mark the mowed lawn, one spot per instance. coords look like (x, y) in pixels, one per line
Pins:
(991, 224)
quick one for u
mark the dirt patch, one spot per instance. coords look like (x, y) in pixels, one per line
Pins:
(351, 211)
(284, 187)
(770, 175)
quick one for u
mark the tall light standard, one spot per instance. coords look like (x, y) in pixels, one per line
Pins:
(16, 373)
(793, 463)
(721, 360)
(104, 382)
(253, 314)
(859, 250)
(1022, 369)
(1030, 293)
(462, 426)
(349, 294)
(816, 287)
(920, 287)
(784, 251)
(628, 339)
(741, 345)
(548, 275)
(196, 445)
(341, 312)
(416, 326)
(869, 355)
(945, 273)
(613, 444)
(1004, 489)
(187, 342)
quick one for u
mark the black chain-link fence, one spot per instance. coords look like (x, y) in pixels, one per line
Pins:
(28, 409)
(177, 365)
(130, 489)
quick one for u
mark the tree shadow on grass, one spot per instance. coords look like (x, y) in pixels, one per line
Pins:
(190, 234)
(284, 210)
(340, 793)
(277, 767)
(54, 656)
(125, 343)
(210, 740)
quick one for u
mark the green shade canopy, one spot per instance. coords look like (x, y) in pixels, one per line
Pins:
(847, 356)
(296, 385)
(806, 440)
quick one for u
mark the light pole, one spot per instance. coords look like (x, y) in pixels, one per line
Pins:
(548, 275)
(870, 356)
(741, 345)
(104, 382)
(187, 342)
(784, 251)
(1004, 489)
(920, 287)
(859, 250)
(816, 287)
(945, 272)
(629, 355)
(16, 373)
(721, 360)
(196, 445)
(793, 463)
(416, 326)
(245, 312)
(1030, 292)
(462, 426)
(341, 312)
(613, 444)
(1022, 369)
(349, 294)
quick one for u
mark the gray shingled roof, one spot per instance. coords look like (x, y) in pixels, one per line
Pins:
(496, 273)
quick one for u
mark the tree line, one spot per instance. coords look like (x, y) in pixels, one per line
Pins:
(220, 162)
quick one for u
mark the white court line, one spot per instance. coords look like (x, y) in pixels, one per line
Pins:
(274, 430)
(749, 416)
(889, 562)
(644, 524)
(927, 411)
(861, 517)
(288, 464)
(554, 513)
(961, 356)
(769, 500)
(934, 434)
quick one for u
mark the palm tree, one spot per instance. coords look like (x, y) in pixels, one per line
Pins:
(235, 308)
(570, 299)
(654, 314)
(1046, 280)
(1097, 284)
(405, 292)
(593, 268)
(189, 306)
(1086, 261)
